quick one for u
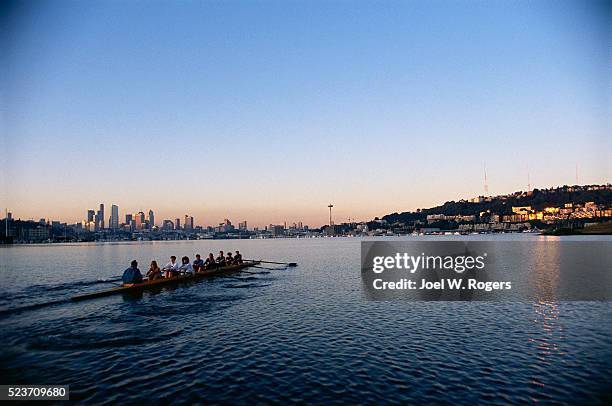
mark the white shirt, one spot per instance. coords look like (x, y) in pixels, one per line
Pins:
(171, 266)
(186, 268)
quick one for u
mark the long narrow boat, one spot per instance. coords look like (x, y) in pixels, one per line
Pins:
(136, 287)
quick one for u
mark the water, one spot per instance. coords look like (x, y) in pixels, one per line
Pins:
(304, 334)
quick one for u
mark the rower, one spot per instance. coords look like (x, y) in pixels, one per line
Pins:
(210, 262)
(171, 267)
(154, 271)
(229, 260)
(186, 266)
(132, 274)
(221, 259)
(238, 257)
(198, 263)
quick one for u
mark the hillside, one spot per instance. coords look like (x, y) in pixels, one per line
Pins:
(538, 199)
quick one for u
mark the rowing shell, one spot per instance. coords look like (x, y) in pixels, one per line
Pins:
(135, 287)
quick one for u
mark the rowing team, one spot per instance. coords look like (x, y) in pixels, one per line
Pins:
(173, 268)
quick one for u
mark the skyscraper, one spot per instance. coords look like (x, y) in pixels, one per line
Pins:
(151, 219)
(100, 217)
(90, 215)
(128, 219)
(140, 220)
(177, 224)
(114, 218)
(188, 225)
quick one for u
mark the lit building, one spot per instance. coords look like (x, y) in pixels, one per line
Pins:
(140, 220)
(521, 209)
(100, 219)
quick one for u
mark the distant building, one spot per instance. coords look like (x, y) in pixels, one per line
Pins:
(36, 234)
(242, 226)
(276, 230)
(128, 219)
(140, 220)
(151, 218)
(89, 226)
(225, 227)
(100, 217)
(90, 216)
(177, 224)
(521, 209)
(188, 225)
(114, 218)
(168, 225)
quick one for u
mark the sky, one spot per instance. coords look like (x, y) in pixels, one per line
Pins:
(267, 111)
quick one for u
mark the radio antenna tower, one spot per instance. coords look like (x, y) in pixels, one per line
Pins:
(486, 184)
(576, 173)
(528, 180)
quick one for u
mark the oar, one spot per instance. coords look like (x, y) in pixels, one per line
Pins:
(262, 272)
(269, 269)
(277, 263)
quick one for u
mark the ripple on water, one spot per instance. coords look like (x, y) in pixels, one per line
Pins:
(304, 336)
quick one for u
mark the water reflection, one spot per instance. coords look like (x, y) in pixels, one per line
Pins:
(544, 275)
(546, 340)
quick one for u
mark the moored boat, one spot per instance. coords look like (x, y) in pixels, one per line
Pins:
(136, 287)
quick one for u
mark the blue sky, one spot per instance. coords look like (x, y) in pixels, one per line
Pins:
(267, 111)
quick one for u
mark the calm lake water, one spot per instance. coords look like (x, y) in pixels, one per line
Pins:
(304, 334)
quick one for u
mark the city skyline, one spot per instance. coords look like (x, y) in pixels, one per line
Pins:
(574, 209)
(93, 217)
(270, 111)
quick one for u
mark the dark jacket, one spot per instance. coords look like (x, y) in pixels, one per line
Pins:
(132, 275)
